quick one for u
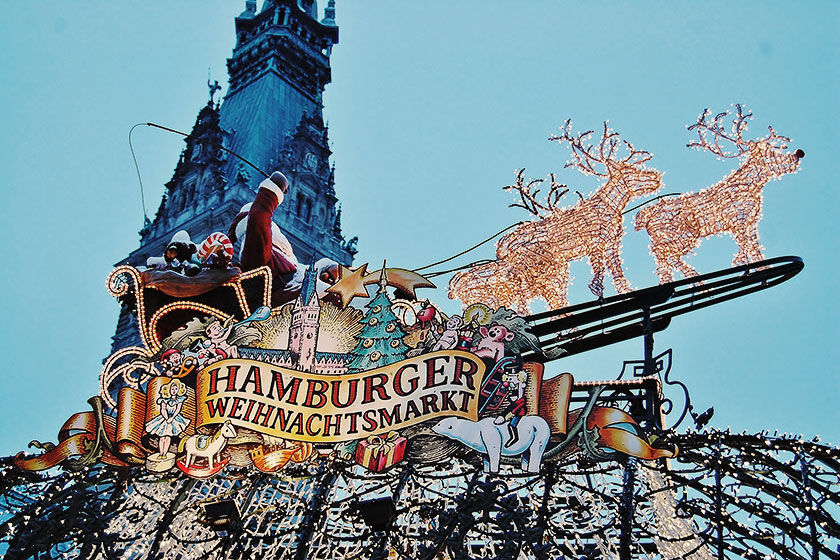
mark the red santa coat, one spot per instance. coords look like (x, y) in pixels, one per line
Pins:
(264, 244)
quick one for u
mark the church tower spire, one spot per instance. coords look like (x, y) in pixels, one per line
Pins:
(283, 49)
(329, 13)
(303, 331)
(274, 108)
(272, 115)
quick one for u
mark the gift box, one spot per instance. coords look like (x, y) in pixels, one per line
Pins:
(378, 453)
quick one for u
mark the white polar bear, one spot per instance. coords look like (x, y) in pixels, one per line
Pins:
(486, 437)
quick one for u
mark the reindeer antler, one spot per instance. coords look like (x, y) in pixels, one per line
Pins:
(556, 192)
(635, 157)
(529, 198)
(718, 131)
(586, 156)
(777, 139)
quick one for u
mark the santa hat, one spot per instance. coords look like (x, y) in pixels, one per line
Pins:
(278, 184)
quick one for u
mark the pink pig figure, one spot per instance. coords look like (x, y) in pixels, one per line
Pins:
(492, 342)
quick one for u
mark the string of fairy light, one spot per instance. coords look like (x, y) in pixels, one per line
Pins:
(532, 260)
(725, 495)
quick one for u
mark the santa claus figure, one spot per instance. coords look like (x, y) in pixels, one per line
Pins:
(263, 244)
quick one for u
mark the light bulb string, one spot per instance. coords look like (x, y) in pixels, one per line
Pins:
(469, 265)
(146, 220)
(648, 201)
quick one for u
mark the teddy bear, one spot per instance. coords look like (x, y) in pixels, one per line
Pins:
(177, 256)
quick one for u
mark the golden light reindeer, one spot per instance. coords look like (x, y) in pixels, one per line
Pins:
(532, 261)
(732, 206)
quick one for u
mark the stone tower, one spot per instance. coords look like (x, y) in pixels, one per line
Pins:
(303, 331)
(271, 116)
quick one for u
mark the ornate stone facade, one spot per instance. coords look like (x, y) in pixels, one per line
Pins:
(271, 116)
(302, 354)
(303, 334)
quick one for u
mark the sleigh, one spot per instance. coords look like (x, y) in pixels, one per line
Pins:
(164, 301)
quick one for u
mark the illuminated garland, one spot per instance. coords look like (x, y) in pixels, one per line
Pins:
(127, 279)
(121, 365)
(727, 496)
(732, 206)
(532, 261)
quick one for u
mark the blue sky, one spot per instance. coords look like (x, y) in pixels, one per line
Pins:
(432, 107)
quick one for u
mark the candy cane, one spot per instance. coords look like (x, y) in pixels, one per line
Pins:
(216, 243)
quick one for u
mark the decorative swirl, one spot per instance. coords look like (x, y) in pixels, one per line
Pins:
(117, 367)
(122, 279)
(405, 312)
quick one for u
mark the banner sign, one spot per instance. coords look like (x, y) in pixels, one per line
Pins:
(303, 406)
(320, 379)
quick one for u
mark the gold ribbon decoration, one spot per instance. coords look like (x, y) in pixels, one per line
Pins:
(613, 434)
(273, 461)
(91, 436)
(94, 436)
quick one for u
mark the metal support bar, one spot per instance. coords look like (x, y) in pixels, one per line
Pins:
(650, 364)
(809, 509)
(313, 515)
(718, 501)
(649, 370)
(626, 510)
(600, 323)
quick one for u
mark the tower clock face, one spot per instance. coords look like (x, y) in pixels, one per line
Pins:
(311, 160)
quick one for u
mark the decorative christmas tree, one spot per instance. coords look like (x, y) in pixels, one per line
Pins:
(380, 341)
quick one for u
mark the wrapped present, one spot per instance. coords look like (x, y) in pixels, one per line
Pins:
(378, 453)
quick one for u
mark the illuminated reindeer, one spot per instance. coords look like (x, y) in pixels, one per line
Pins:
(533, 259)
(733, 205)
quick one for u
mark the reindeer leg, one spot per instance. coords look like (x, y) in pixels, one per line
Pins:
(656, 248)
(752, 248)
(663, 268)
(596, 286)
(685, 268)
(680, 247)
(758, 250)
(742, 242)
(561, 288)
(615, 266)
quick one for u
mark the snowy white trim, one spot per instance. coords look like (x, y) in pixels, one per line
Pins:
(272, 186)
